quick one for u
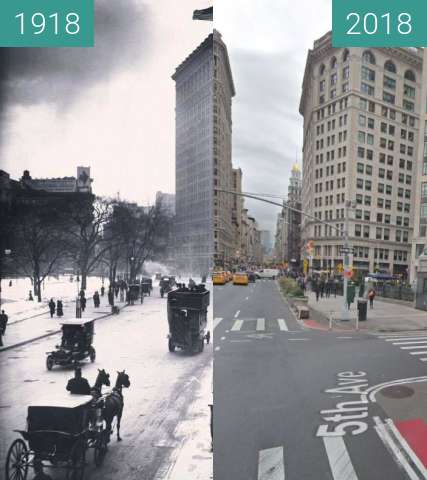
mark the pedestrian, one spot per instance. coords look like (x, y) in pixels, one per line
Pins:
(10, 283)
(317, 291)
(78, 385)
(52, 307)
(3, 324)
(322, 288)
(30, 296)
(38, 470)
(371, 296)
(59, 308)
(102, 291)
(110, 297)
(96, 300)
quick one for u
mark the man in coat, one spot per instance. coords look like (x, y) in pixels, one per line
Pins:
(3, 323)
(78, 385)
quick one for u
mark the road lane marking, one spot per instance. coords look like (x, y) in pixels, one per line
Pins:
(271, 465)
(412, 347)
(223, 338)
(344, 338)
(411, 454)
(247, 298)
(424, 352)
(217, 349)
(410, 343)
(405, 338)
(260, 324)
(237, 325)
(282, 324)
(339, 459)
(236, 314)
(389, 443)
(423, 359)
(217, 321)
(297, 339)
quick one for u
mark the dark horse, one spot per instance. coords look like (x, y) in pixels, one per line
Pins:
(103, 378)
(114, 403)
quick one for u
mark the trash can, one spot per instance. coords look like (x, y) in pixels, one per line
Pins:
(362, 310)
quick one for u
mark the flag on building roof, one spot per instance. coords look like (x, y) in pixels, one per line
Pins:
(204, 14)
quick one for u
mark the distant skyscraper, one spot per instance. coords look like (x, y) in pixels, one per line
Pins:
(194, 159)
(166, 201)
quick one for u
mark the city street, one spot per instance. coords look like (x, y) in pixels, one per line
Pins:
(165, 424)
(281, 394)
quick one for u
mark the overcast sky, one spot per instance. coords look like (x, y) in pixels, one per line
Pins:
(110, 108)
(267, 43)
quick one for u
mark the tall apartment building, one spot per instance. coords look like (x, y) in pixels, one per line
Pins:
(361, 128)
(223, 92)
(194, 159)
(419, 241)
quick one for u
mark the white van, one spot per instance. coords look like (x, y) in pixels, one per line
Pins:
(272, 273)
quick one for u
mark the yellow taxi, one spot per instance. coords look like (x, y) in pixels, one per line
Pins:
(219, 278)
(240, 279)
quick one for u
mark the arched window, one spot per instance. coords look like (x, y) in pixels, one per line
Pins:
(345, 55)
(322, 69)
(390, 66)
(333, 63)
(368, 57)
(410, 75)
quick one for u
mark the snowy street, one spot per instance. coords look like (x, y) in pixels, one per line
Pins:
(165, 424)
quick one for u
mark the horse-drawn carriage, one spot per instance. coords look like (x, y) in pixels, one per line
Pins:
(76, 343)
(166, 284)
(59, 433)
(146, 286)
(187, 318)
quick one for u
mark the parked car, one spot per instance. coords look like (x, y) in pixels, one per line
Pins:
(272, 273)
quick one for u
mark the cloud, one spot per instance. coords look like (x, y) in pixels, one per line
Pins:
(60, 75)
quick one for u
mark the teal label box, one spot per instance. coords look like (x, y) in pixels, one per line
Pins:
(47, 23)
(379, 23)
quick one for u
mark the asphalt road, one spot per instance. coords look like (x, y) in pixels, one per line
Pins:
(165, 424)
(273, 377)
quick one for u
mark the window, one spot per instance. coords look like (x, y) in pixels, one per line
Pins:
(360, 168)
(368, 89)
(334, 79)
(424, 189)
(333, 93)
(389, 83)
(387, 205)
(358, 230)
(333, 63)
(322, 86)
(322, 99)
(345, 87)
(368, 169)
(409, 91)
(369, 139)
(346, 73)
(400, 192)
(410, 75)
(368, 57)
(368, 185)
(345, 55)
(368, 74)
(361, 137)
(367, 215)
(379, 217)
(359, 183)
(381, 173)
(387, 219)
(389, 98)
(409, 106)
(389, 174)
(378, 233)
(388, 189)
(362, 120)
(360, 152)
(365, 231)
(371, 123)
(383, 127)
(322, 69)
(390, 66)
(381, 188)
(367, 200)
(386, 234)
(370, 154)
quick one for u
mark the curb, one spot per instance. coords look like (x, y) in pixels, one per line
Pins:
(45, 335)
(285, 301)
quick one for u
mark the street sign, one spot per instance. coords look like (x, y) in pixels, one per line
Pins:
(346, 251)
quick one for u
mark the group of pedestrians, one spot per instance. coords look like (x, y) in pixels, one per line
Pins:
(324, 287)
(56, 307)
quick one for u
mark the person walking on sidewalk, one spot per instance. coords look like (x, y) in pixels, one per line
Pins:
(52, 308)
(371, 296)
(59, 308)
(96, 300)
(3, 323)
(102, 291)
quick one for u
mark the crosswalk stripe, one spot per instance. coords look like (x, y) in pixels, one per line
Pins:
(282, 324)
(237, 314)
(413, 347)
(271, 465)
(412, 342)
(237, 325)
(217, 321)
(339, 459)
(424, 352)
(260, 324)
(405, 338)
(423, 359)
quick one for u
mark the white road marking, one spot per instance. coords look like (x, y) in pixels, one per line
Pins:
(339, 459)
(393, 448)
(295, 339)
(237, 325)
(410, 343)
(424, 352)
(236, 314)
(217, 349)
(217, 321)
(247, 298)
(271, 465)
(282, 324)
(405, 338)
(423, 359)
(406, 447)
(345, 338)
(223, 338)
(260, 324)
(413, 347)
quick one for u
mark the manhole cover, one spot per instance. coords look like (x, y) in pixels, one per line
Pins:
(398, 391)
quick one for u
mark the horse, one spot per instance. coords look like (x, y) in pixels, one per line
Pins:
(114, 403)
(103, 378)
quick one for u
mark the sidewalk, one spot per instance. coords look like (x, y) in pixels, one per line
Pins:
(33, 328)
(385, 316)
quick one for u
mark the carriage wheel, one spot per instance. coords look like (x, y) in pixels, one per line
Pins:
(101, 446)
(171, 346)
(49, 362)
(17, 461)
(92, 354)
(77, 461)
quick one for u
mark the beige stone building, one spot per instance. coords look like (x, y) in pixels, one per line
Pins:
(361, 128)
(237, 213)
(224, 240)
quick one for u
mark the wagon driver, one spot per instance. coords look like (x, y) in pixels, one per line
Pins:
(78, 385)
